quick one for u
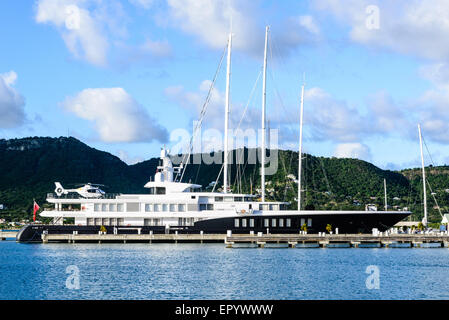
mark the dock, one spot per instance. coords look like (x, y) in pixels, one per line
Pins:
(338, 241)
(8, 234)
(259, 240)
(133, 238)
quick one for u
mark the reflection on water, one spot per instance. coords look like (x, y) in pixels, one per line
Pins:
(210, 271)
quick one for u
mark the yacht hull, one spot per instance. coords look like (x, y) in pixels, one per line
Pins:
(360, 222)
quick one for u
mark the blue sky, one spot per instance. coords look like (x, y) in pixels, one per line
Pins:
(122, 76)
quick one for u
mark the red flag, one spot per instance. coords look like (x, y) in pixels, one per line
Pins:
(35, 208)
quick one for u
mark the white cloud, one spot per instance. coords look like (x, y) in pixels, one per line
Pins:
(193, 102)
(83, 25)
(332, 119)
(309, 23)
(353, 150)
(11, 102)
(211, 21)
(406, 26)
(116, 115)
(125, 157)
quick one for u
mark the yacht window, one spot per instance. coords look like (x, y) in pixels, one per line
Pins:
(203, 206)
(104, 207)
(120, 207)
(281, 223)
(244, 223)
(273, 222)
(248, 199)
(192, 207)
(303, 222)
(266, 222)
(239, 199)
(236, 223)
(309, 222)
(97, 221)
(173, 207)
(160, 190)
(112, 207)
(152, 190)
(97, 207)
(157, 207)
(132, 207)
(210, 206)
(251, 223)
(181, 207)
(218, 199)
(165, 207)
(289, 223)
(105, 221)
(228, 199)
(270, 206)
(113, 221)
(148, 207)
(193, 197)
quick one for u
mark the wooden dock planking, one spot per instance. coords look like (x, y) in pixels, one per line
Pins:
(342, 240)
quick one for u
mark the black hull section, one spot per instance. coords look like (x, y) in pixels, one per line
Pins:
(346, 223)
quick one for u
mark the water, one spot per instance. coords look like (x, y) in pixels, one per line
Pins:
(210, 271)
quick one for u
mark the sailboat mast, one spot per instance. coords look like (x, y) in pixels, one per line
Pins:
(385, 191)
(424, 221)
(228, 84)
(300, 147)
(264, 101)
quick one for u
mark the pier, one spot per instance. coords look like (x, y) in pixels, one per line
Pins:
(133, 238)
(435, 240)
(8, 234)
(338, 241)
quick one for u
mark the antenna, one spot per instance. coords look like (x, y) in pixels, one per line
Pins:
(228, 84)
(264, 101)
(424, 220)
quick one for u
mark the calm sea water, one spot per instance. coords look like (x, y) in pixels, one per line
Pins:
(210, 271)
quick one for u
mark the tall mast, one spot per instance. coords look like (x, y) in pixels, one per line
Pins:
(228, 83)
(300, 147)
(385, 191)
(264, 101)
(424, 221)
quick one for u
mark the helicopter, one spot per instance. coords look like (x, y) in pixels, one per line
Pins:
(88, 190)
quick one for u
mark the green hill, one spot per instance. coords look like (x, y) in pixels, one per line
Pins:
(30, 166)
